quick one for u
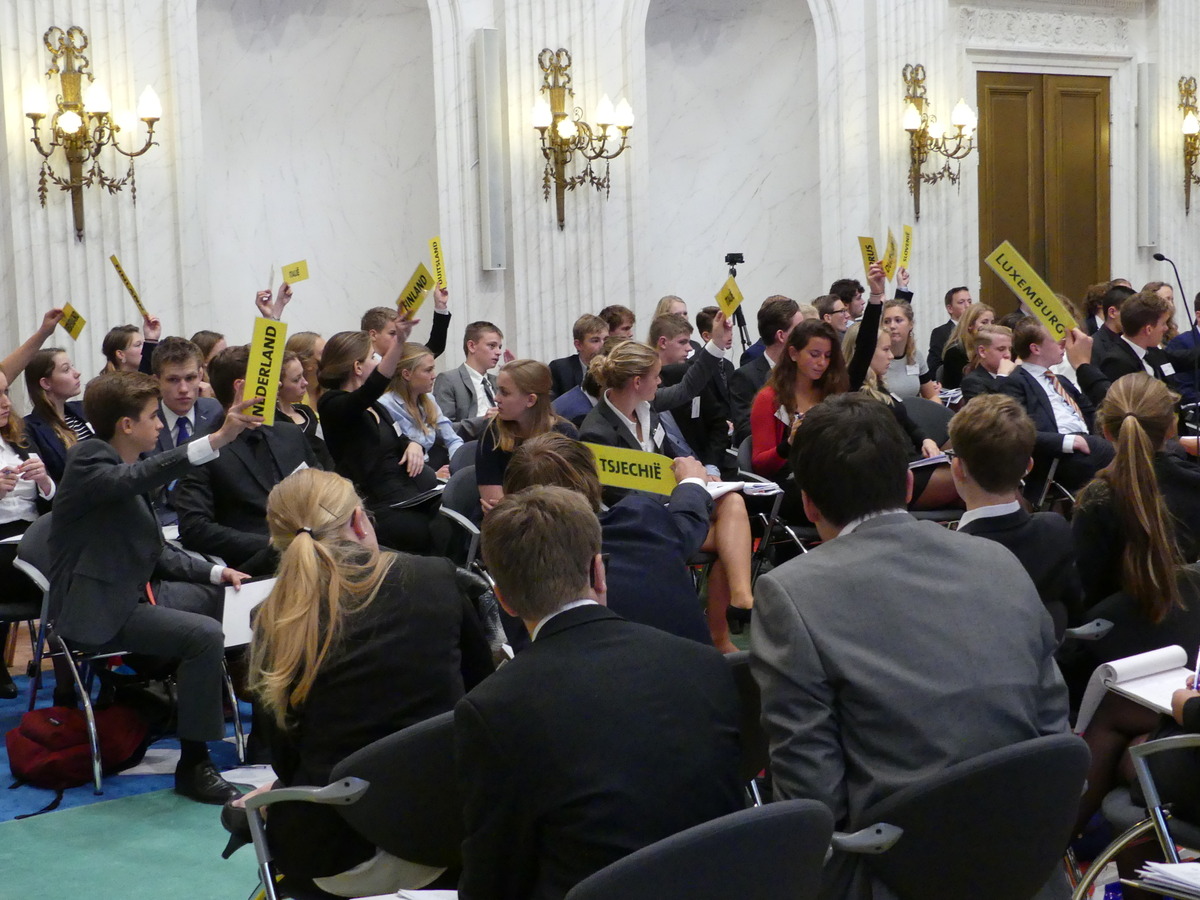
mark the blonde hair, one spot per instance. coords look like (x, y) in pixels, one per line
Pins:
(964, 331)
(304, 345)
(323, 578)
(910, 347)
(422, 408)
(529, 377)
(664, 305)
(985, 339)
(622, 363)
(1139, 414)
(873, 386)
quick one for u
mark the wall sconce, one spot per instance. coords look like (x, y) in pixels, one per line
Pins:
(1191, 139)
(564, 133)
(927, 135)
(81, 123)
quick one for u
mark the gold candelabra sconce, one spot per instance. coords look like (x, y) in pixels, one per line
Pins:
(1191, 139)
(82, 124)
(564, 133)
(926, 135)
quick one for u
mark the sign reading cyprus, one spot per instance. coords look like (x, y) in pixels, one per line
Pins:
(1034, 294)
(633, 469)
(265, 367)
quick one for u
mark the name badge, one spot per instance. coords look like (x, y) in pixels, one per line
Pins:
(660, 435)
(303, 465)
(1168, 369)
(399, 430)
(695, 407)
(912, 369)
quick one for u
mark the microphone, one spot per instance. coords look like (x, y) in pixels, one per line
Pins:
(1195, 333)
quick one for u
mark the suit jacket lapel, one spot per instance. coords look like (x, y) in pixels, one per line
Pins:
(621, 431)
(1039, 396)
(242, 451)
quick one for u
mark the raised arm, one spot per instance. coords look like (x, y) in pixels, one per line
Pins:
(14, 364)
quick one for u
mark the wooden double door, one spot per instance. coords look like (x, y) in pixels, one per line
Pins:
(1044, 178)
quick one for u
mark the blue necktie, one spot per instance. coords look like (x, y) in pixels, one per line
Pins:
(182, 431)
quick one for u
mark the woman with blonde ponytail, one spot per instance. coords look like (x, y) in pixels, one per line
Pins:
(353, 644)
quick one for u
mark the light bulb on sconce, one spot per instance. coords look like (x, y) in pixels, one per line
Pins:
(1191, 124)
(1191, 138)
(962, 116)
(70, 122)
(36, 104)
(149, 106)
(912, 120)
(564, 133)
(96, 100)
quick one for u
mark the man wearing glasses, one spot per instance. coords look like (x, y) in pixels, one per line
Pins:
(833, 310)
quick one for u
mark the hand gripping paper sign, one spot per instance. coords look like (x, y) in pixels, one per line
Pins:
(264, 368)
(729, 298)
(633, 469)
(137, 301)
(1034, 294)
(414, 292)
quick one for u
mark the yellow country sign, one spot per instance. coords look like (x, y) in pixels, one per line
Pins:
(906, 247)
(729, 297)
(1034, 294)
(869, 254)
(413, 295)
(889, 256)
(439, 265)
(633, 469)
(137, 301)
(72, 321)
(297, 271)
(265, 367)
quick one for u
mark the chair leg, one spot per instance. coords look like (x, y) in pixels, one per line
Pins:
(239, 736)
(89, 714)
(1110, 852)
(266, 872)
(35, 683)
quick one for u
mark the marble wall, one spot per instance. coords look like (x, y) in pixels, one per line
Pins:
(344, 133)
(712, 102)
(318, 140)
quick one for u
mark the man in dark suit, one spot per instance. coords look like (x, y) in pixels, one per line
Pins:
(1144, 319)
(1064, 418)
(874, 669)
(602, 737)
(1108, 335)
(958, 301)
(467, 395)
(704, 421)
(223, 506)
(176, 363)
(116, 586)
(776, 318)
(993, 450)
(589, 333)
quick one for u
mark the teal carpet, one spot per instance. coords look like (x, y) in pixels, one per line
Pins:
(147, 847)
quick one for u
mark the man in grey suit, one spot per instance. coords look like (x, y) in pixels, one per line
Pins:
(467, 395)
(115, 585)
(897, 647)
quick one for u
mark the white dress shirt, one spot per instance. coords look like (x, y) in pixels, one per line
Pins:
(642, 411)
(1141, 355)
(482, 404)
(1067, 419)
(172, 421)
(988, 512)
(19, 504)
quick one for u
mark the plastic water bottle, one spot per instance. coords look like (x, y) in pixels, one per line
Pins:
(1112, 891)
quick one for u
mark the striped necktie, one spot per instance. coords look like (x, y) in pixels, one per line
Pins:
(1062, 392)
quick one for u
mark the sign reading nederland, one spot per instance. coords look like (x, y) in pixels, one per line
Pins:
(264, 368)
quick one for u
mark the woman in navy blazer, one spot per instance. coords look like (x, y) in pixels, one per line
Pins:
(629, 373)
(57, 422)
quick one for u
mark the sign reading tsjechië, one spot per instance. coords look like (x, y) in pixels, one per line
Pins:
(633, 469)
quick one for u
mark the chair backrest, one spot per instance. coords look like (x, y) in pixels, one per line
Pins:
(991, 828)
(34, 551)
(765, 853)
(932, 418)
(464, 456)
(462, 493)
(745, 458)
(755, 748)
(413, 809)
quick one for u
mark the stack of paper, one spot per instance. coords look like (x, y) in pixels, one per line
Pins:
(1178, 879)
(1148, 678)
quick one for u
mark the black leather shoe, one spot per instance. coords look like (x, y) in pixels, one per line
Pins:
(8, 690)
(204, 784)
(235, 821)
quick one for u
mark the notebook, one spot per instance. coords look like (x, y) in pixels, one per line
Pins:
(1148, 678)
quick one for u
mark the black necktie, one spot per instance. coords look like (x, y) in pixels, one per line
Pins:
(487, 391)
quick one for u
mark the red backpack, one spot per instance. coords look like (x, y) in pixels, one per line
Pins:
(50, 749)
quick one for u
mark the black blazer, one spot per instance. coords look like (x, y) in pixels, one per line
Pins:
(706, 432)
(437, 334)
(1122, 360)
(1103, 342)
(222, 506)
(565, 373)
(641, 535)
(47, 444)
(603, 425)
(980, 381)
(601, 737)
(1042, 543)
(1024, 388)
(744, 385)
(937, 343)
(408, 656)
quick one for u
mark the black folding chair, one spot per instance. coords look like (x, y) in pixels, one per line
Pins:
(990, 828)
(464, 456)
(755, 749)
(460, 504)
(772, 852)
